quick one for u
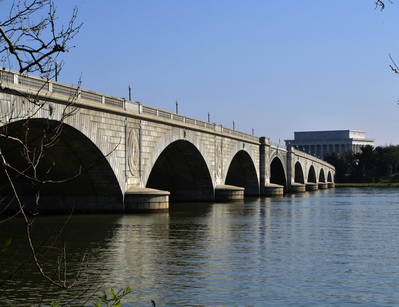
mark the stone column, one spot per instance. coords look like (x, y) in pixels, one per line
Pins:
(262, 165)
(290, 169)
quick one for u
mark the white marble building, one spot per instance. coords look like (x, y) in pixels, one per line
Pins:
(319, 143)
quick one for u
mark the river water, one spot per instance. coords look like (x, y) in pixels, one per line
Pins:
(338, 246)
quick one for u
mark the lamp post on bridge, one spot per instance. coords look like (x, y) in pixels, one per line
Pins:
(209, 117)
(234, 125)
(56, 71)
(177, 107)
(130, 93)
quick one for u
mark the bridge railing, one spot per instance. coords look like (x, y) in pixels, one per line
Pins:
(196, 122)
(39, 85)
(278, 146)
(307, 156)
(6, 76)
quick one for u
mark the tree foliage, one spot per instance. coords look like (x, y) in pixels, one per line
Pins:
(369, 165)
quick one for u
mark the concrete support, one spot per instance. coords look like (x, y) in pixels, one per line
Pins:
(323, 185)
(311, 186)
(297, 187)
(272, 189)
(290, 171)
(146, 200)
(262, 165)
(229, 193)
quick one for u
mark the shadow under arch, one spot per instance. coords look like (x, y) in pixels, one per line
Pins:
(182, 170)
(329, 177)
(299, 177)
(312, 175)
(242, 173)
(322, 177)
(84, 180)
(277, 174)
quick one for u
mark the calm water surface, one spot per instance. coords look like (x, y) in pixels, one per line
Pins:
(331, 247)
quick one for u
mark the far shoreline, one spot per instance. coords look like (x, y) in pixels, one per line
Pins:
(367, 185)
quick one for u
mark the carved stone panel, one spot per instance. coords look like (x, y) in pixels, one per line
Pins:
(133, 152)
(219, 160)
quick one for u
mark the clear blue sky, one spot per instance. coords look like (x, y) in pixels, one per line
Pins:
(274, 66)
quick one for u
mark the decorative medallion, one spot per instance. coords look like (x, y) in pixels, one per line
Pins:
(219, 160)
(133, 152)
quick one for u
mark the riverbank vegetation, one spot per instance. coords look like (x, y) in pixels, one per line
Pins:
(378, 166)
(391, 181)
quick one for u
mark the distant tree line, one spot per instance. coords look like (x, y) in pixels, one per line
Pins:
(369, 165)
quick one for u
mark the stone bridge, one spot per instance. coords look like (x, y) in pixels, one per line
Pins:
(120, 155)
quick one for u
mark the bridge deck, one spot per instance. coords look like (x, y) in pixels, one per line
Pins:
(47, 87)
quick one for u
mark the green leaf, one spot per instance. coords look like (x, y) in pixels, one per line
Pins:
(7, 243)
(5, 247)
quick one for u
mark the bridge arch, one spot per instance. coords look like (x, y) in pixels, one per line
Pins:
(322, 177)
(242, 173)
(312, 175)
(182, 170)
(277, 172)
(85, 179)
(329, 177)
(299, 176)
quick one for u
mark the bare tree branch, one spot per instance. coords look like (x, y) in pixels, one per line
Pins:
(380, 4)
(33, 149)
(393, 66)
(33, 45)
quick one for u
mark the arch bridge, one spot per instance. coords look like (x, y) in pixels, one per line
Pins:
(120, 155)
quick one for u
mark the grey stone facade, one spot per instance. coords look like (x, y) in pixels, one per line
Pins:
(126, 149)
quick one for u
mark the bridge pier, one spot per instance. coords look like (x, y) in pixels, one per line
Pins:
(229, 193)
(311, 186)
(154, 201)
(297, 188)
(323, 185)
(272, 189)
(146, 200)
